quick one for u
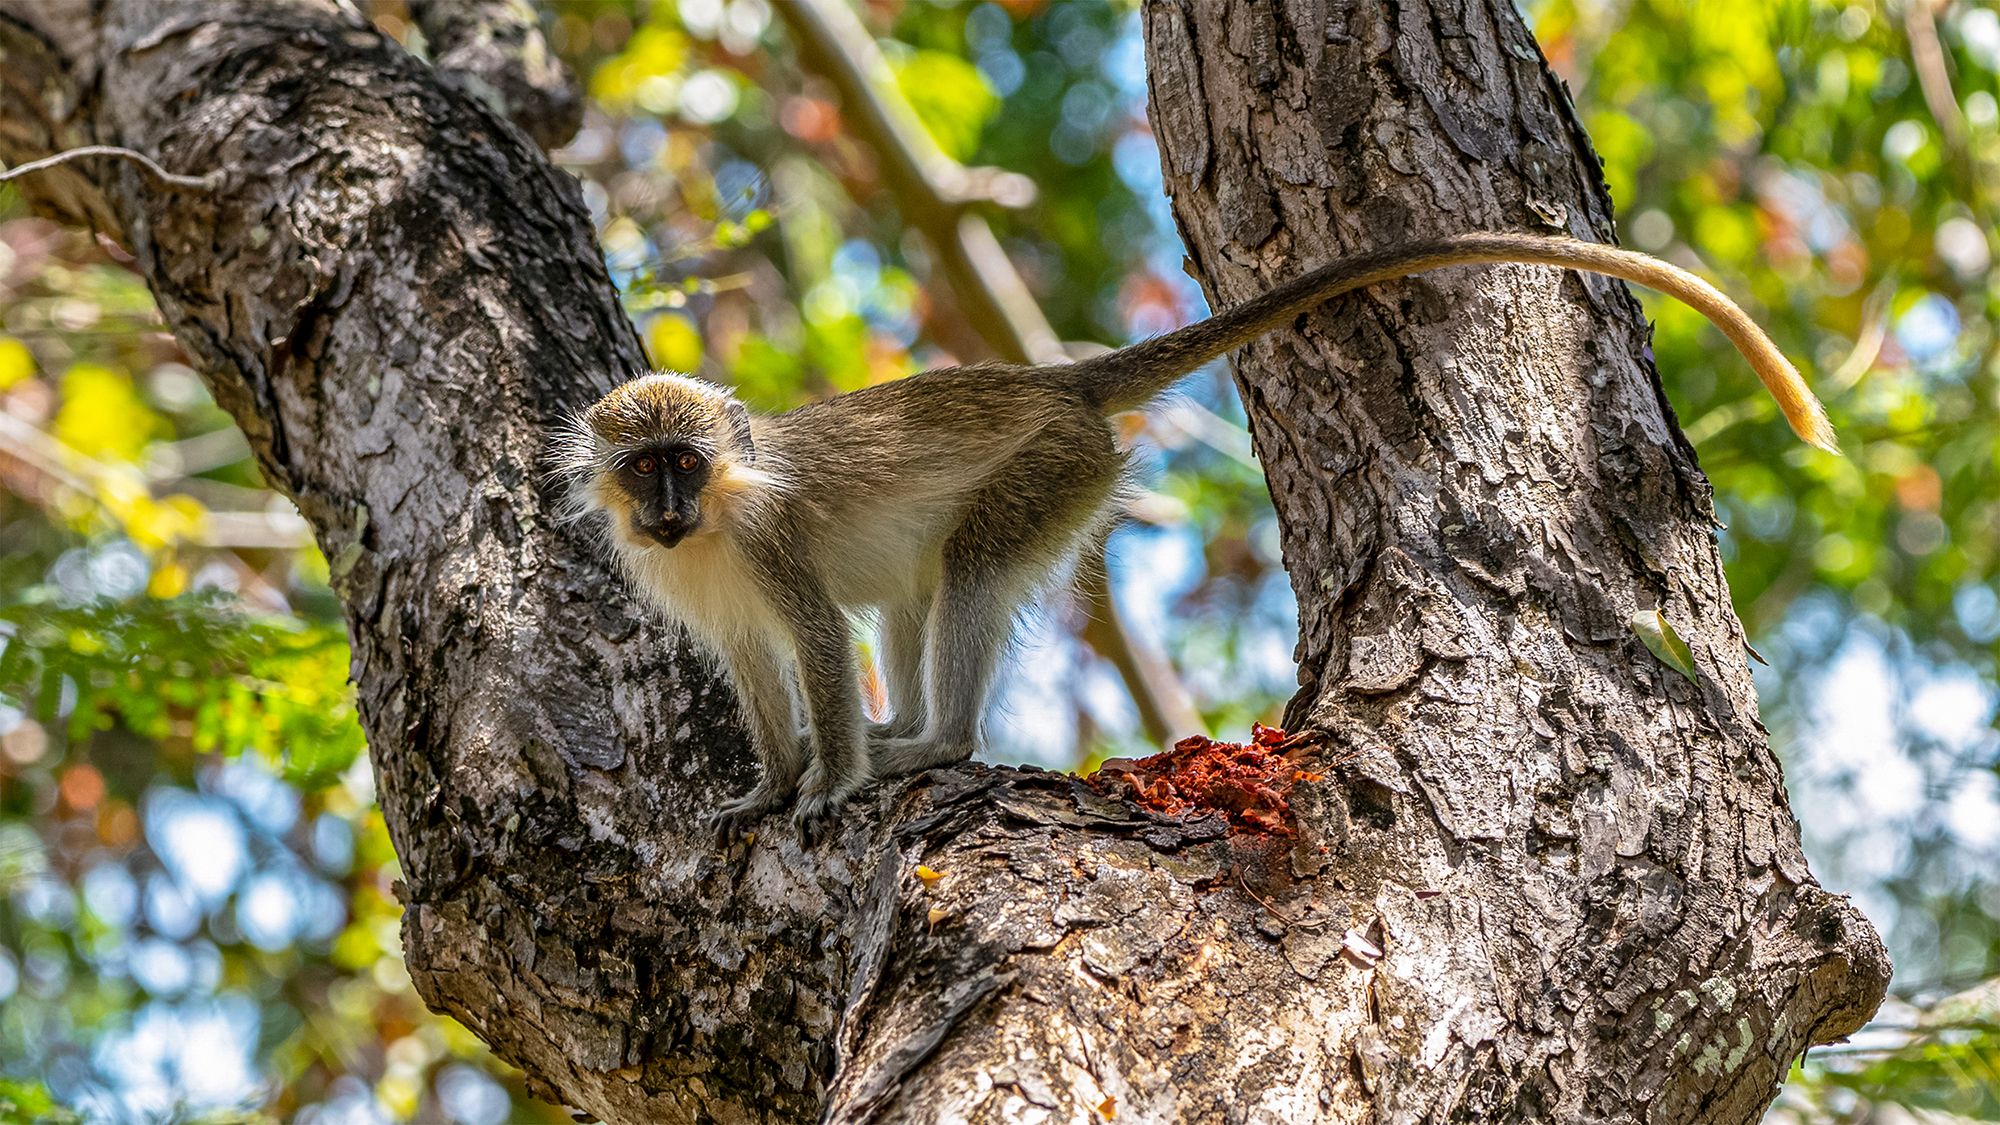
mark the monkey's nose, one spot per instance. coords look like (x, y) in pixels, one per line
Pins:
(668, 530)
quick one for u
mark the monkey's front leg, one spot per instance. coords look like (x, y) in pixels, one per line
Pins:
(828, 673)
(766, 696)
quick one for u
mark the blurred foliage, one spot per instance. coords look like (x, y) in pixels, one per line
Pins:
(192, 668)
(196, 909)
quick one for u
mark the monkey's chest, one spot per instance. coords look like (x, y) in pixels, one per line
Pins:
(705, 587)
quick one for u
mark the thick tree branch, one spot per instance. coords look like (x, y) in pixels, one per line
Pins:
(394, 307)
(497, 48)
(1478, 483)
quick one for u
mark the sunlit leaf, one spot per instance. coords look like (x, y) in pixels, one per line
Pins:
(103, 415)
(951, 97)
(1660, 638)
(674, 343)
(16, 362)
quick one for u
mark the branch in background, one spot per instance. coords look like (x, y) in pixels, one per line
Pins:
(202, 453)
(1934, 78)
(929, 186)
(496, 48)
(84, 475)
(1164, 705)
(933, 192)
(1212, 430)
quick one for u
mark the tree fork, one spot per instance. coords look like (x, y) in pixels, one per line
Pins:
(394, 293)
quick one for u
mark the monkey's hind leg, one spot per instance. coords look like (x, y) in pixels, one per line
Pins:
(903, 668)
(1023, 524)
(969, 624)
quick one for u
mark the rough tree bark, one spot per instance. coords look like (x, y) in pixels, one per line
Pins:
(1579, 868)
(1479, 484)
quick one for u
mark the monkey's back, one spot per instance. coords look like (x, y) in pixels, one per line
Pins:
(893, 472)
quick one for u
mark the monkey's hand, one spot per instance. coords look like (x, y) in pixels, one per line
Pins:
(739, 816)
(822, 791)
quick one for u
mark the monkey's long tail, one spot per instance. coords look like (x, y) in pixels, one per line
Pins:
(1132, 376)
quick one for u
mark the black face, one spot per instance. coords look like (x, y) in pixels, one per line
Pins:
(665, 486)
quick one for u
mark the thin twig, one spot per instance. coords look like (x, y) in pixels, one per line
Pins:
(208, 182)
(1299, 923)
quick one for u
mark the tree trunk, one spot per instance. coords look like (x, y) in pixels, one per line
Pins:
(1479, 484)
(1593, 906)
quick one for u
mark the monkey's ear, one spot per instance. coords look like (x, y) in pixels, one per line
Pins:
(739, 425)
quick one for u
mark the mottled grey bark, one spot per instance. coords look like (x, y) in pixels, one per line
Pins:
(1587, 892)
(1479, 483)
(497, 49)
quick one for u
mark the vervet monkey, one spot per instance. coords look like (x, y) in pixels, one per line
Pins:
(946, 500)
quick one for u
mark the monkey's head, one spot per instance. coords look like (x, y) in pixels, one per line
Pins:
(665, 455)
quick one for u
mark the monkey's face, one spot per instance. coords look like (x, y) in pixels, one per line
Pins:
(664, 455)
(662, 487)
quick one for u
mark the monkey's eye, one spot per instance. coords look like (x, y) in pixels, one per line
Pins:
(688, 461)
(645, 465)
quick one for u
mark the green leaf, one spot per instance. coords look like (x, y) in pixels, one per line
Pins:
(29, 1101)
(1654, 629)
(950, 96)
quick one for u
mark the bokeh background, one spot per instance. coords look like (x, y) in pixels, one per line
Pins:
(196, 920)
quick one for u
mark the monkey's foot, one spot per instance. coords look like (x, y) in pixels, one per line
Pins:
(821, 793)
(732, 820)
(879, 733)
(893, 756)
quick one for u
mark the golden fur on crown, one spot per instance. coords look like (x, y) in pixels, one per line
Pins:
(659, 406)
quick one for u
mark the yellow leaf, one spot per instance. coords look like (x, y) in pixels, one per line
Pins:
(652, 54)
(169, 581)
(16, 362)
(927, 875)
(154, 524)
(675, 344)
(1659, 636)
(102, 414)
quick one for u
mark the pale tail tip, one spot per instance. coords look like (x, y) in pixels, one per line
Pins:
(1813, 429)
